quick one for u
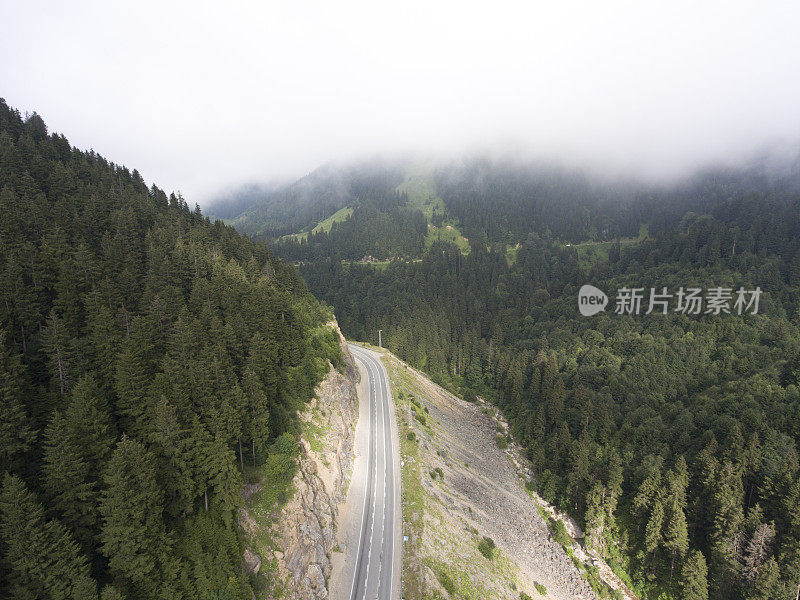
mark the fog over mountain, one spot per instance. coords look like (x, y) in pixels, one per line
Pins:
(204, 97)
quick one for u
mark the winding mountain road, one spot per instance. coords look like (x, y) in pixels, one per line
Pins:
(376, 573)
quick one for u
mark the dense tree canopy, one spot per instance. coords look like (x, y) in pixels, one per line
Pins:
(672, 438)
(142, 348)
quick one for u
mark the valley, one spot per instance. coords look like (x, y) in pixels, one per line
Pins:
(670, 440)
(183, 418)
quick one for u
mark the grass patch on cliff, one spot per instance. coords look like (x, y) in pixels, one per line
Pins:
(420, 189)
(314, 433)
(486, 547)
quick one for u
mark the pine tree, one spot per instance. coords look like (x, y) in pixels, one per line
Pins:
(579, 471)
(90, 424)
(766, 585)
(694, 577)
(653, 536)
(111, 593)
(256, 426)
(105, 338)
(757, 550)
(131, 388)
(595, 519)
(56, 344)
(727, 536)
(648, 491)
(134, 538)
(676, 534)
(16, 434)
(215, 467)
(170, 440)
(68, 484)
(44, 560)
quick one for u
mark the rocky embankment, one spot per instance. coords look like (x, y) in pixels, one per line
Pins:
(302, 535)
(467, 489)
(516, 455)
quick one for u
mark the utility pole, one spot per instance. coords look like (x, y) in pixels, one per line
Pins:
(380, 345)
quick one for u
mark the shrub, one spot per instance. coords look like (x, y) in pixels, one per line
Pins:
(279, 467)
(501, 441)
(285, 444)
(440, 472)
(486, 547)
(411, 436)
(420, 418)
(446, 581)
(549, 486)
(524, 596)
(540, 588)
(560, 533)
(469, 395)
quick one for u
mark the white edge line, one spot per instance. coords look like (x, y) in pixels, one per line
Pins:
(364, 509)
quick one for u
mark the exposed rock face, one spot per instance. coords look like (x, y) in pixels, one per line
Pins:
(305, 529)
(252, 562)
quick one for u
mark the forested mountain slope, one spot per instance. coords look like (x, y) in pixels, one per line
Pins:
(392, 211)
(672, 438)
(148, 358)
(301, 205)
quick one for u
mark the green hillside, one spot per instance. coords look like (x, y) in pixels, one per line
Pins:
(673, 439)
(150, 363)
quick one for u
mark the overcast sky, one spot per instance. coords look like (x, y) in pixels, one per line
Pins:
(199, 96)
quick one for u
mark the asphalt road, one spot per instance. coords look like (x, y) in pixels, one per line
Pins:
(376, 573)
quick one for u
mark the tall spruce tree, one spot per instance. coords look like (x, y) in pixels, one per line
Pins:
(134, 537)
(44, 559)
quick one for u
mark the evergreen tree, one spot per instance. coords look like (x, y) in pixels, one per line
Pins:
(134, 538)
(122, 311)
(676, 534)
(653, 535)
(766, 583)
(16, 434)
(694, 574)
(44, 560)
(90, 425)
(69, 487)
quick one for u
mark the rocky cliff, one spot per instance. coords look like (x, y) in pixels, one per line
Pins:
(302, 534)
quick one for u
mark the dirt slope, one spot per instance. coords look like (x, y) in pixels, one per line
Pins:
(460, 487)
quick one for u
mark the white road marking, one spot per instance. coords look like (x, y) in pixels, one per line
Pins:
(378, 385)
(364, 510)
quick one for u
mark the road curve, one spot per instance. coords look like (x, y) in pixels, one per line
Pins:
(376, 574)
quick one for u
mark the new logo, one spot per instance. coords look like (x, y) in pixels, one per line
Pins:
(591, 300)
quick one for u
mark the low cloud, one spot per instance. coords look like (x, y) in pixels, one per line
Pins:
(202, 96)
